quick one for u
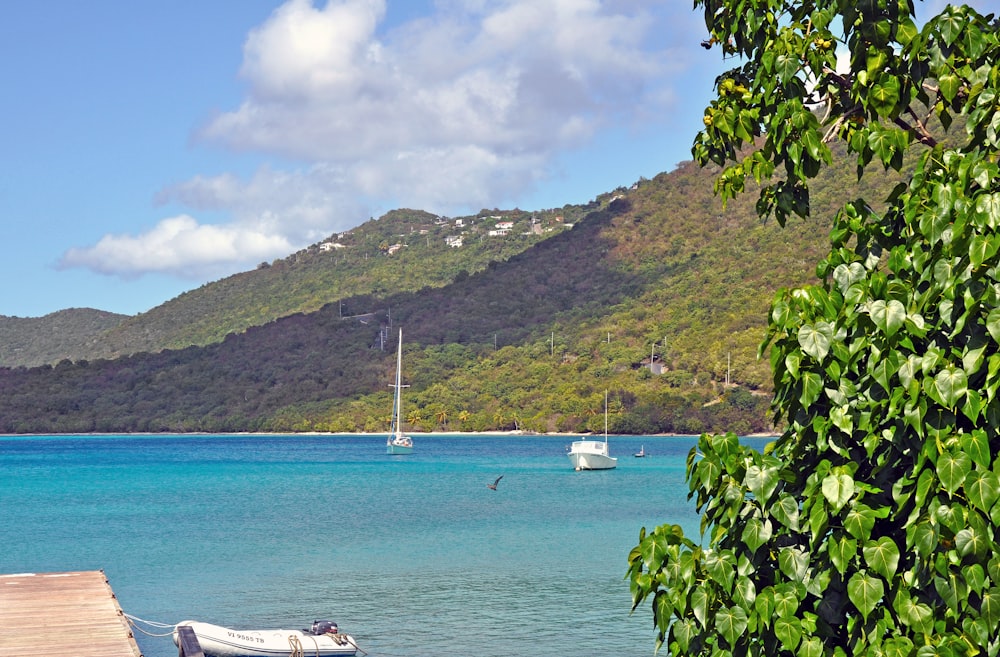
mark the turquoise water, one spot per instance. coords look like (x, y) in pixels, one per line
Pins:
(412, 555)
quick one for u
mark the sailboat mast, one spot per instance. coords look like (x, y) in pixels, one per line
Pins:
(399, 382)
(605, 417)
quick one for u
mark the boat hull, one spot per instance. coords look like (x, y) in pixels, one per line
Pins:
(218, 641)
(398, 449)
(591, 455)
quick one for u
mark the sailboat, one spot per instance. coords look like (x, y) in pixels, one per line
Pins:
(593, 454)
(398, 442)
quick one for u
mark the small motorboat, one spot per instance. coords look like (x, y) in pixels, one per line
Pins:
(323, 640)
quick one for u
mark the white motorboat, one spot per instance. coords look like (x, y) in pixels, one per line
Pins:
(323, 640)
(398, 442)
(593, 454)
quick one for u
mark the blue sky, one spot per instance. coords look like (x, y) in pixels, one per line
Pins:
(150, 148)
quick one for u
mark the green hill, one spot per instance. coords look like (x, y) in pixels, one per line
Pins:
(524, 335)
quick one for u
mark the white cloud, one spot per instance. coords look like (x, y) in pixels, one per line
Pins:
(326, 86)
(178, 246)
(467, 108)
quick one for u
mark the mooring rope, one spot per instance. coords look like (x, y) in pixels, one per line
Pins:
(135, 620)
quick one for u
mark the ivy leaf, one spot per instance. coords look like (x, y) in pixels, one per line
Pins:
(815, 339)
(952, 469)
(838, 489)
(756, 533)
(989, 606)
(882, 556)
(699, 605)
(888, 316)
(884, 96)
(919, 617)
(865, 592)
(794, 563)
(949, 84)
(731, 623)
(842, 550)
(786, 603)
(859, 521)
(993, 324)
(983, 489)
(786, 511)
(682, 632)
(761, 481)
(789, 632)
(950, 384)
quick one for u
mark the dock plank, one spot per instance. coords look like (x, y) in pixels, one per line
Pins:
(72, 613)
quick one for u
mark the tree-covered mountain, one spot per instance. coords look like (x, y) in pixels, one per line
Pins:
(402, 251)
(530, 339)
(70, 333)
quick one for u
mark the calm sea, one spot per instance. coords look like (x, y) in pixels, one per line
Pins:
(413, 555)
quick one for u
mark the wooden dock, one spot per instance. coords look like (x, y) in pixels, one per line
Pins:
(71, 614)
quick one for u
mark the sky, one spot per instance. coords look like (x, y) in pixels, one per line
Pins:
(152, 147)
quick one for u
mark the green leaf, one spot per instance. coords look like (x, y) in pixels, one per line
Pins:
(859, 521)
(786, 602)
(919, 617)
(865, 592)
(789, 632)
(882, 556)
(842, 550)
(983, 489)
(970, 542)
(989, 606)
(952, 469)
(786, 511)
(811, 646)
(815, 339)
(683, 631)
(699, 605)
(756, 533)
(885, 96)
(719, 569)
(838, 489)
(812, 387)
(761, 481)
(977, 445)
(888, 316)
(993, 324)
(949, 84)
(731, 622)
(951, 384)
(794, 563)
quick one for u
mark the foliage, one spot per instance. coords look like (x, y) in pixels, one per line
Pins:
(870, 527)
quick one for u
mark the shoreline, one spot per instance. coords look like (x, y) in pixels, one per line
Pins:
(375, 434)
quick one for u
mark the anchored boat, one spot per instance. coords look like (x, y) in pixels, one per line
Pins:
(398, 442)
(322, 640)
(593, 454)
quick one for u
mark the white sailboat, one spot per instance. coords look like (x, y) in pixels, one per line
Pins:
(398, 442)
(593, 454)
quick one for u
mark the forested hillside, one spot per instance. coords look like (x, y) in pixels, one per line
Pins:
(70, 333)
(528, 342)
(402, 251)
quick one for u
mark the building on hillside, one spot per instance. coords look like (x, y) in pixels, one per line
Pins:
(453, 241)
